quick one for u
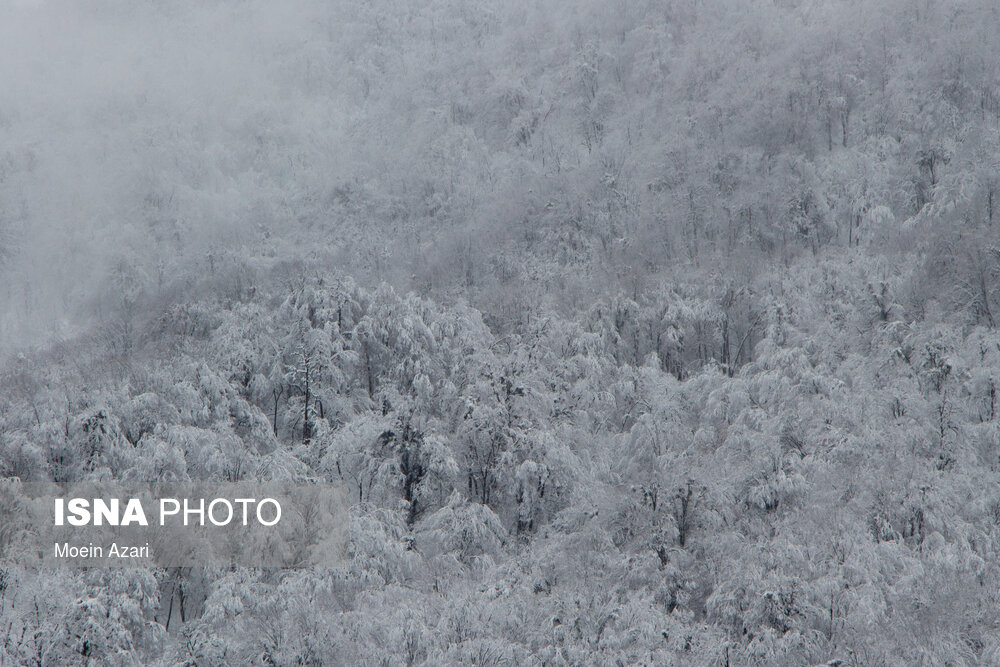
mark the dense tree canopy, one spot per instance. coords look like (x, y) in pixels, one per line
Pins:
(641, 332)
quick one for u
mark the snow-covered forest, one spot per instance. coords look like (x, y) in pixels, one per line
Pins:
(643, 332)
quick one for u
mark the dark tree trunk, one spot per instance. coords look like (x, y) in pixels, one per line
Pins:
(276, 394)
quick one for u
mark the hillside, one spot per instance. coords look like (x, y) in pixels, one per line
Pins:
(641, 333)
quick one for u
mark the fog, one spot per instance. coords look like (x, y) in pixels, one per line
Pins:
(637, 332)
(135, 135)
(405, 143)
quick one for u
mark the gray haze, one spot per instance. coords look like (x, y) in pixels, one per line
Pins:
(639, 332)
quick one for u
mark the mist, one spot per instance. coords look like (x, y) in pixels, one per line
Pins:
(137, 137)
(630, 331)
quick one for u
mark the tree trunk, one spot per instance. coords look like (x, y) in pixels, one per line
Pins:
(276, 394)
(306, 424)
